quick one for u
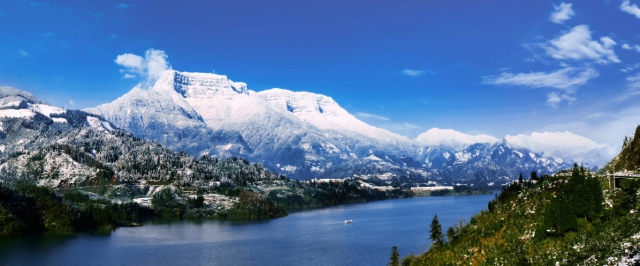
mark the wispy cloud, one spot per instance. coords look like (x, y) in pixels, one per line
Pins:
(554, 99)
(23, 53)
(129, 76)
(562, 13)
(564, 79)
(71, 102)
(151, 66)
(113, 37)
(123, 6)
(50, 34)
(367, 115)
(626, 46)
(633, 87)
(632, 9)
(578, 45)
(413, 73)
(567, 80)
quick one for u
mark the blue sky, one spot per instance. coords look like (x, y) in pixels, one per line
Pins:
(491, 67)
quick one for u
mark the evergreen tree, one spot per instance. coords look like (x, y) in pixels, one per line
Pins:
(436, 231)
(520, 178)
(395, 257)
(534, 176)
(451, 234)
(559, 217)
(406, 261)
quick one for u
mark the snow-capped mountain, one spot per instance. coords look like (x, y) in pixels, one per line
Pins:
(20, 104)
(451, 138)
(487, 163)
(301, 134)
(68, 148)
(165, 116)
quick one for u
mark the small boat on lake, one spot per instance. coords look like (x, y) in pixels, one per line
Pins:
(348, 221)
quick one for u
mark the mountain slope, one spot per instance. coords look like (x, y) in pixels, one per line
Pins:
(569, 218)
(301, 134)
(281, 129)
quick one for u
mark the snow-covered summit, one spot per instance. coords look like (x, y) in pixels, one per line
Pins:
(324, 113)
(199, 85)
(452, 138)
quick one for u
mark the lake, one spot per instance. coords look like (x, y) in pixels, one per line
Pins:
(310, 237)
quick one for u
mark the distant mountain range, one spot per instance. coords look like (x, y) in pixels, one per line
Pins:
(306, 135)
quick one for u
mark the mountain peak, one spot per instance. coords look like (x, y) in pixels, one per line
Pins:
(9, 94)
(198, 85)
(452, 138)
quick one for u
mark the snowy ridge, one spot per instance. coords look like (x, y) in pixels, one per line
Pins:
(302, 134)
(452, 138)
(324, 113)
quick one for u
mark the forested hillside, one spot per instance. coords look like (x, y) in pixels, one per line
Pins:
(570, 218)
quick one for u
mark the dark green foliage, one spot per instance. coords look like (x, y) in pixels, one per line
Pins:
(533, 176)
(254, 206)
(322, 194)
(626, 198)
(520, 178)
(629, 157)
(406, 261)
(451, 234)
(197, 202)
(165, 204)
(580, 197)
(435, 233)
(26, 208)
(559, 217)
(395, 257)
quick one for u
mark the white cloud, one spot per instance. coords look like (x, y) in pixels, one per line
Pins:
(412, 73)
(367, 115)
(131, 61)
(630, 68)
(578, 45)
(626, 6)
(626, 46)
(609, 129)
(129, 76)
(23, 53)
(562, 13)
(564, 79)
(123, 6)
(150, 67)
(637, 48)
(554, 98)
(565, 145)
(633, 87)
(50, 34)
(71, 102)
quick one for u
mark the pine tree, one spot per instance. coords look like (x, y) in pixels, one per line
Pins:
(534, 176)
(451, 234)
(395, 257)
(436, 231)
(520, 178)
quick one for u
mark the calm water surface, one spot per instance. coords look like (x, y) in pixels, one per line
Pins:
(314, 237)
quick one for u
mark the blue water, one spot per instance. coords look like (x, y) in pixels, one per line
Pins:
(313, 237)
